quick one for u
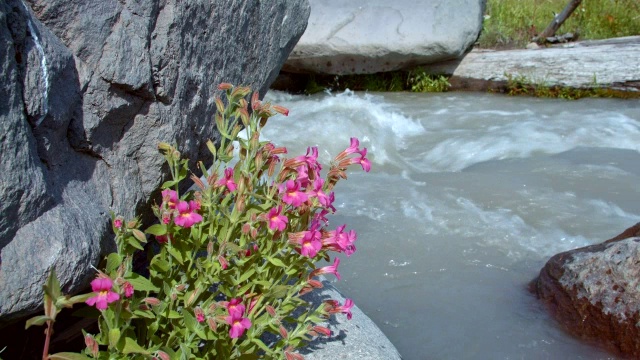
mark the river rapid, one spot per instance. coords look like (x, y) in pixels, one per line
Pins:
(469, 195)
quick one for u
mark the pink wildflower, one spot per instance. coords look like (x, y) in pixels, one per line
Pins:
(331, 269)
(345, 309)
(338, 240)
(311, 158)
(353, 147)
(187, 214)
(199, 314)
(128, 289)
(303, 175)
(102, 286)
(363, 161)
(170, 198)
(324, 199)
(163, 239)
(276, 219)
(311, 243)
(291, 193)
(117, 223)
(227, 180)
(238, 325)
(235, 307)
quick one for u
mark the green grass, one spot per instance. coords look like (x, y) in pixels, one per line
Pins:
(521, 85)
(415, 80)
(513, 23)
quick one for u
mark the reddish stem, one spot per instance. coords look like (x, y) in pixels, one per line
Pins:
(47, 332)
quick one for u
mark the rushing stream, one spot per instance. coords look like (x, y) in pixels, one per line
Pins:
(468, 196)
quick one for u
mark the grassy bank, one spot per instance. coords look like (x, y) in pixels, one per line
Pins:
(512, 23)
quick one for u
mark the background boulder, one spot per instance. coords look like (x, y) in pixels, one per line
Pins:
(594, 292)
(89, 89)
(370, 36)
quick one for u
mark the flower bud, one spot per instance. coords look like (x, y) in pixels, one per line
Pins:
(163, 355)
(255, 101)
(223, 262)
(213, 325)
(271, 311)
(322, 330)
(151, 301)
(194, 295)
(280, 109)
(176, 155)
(91, 344)
(283, 332)
(163, 146)
(181, 287)
(225, 86)
(196, 180)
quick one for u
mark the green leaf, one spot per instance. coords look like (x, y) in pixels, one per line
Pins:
(113, 261)
(262, 345)
(70, 301)
(157, 229)
(143, 314)
(276, 262)
(132, 347)
(169, 184)
(133, 242)
(114, 337)
(159, 264)
(68, 356)
(247, 274)
(37, 321)
(278, 291)
(52, 287)
(176, 254)
(174, 315)
(140, 283)
(189, 321)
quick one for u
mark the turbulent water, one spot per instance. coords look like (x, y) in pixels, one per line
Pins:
(468, 196)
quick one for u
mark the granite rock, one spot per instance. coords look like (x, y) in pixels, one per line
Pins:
(594, 292)
(89, 89)
(370, 36)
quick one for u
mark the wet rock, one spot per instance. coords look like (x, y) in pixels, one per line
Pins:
(89, 89)
(594, 292)
(370, 36)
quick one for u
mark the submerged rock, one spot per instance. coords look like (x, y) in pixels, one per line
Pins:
(594, 292)
(89, 89)
(371, 36)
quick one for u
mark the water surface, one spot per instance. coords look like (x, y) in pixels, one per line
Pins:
(468, 197)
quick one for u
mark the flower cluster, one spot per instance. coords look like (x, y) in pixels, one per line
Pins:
(233, 256)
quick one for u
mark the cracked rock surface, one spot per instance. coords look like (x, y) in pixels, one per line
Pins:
(89, 88)
(370, 36)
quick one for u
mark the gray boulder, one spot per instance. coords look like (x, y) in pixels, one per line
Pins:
(594, 292)
(89, 88)
(358, 338)
(370, 36)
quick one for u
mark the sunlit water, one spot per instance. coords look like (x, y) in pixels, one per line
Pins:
(468, 197)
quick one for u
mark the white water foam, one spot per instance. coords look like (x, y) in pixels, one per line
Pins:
(43, 65)
(380, 127)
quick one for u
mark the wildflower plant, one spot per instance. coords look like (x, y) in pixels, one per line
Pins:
(230, 260)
